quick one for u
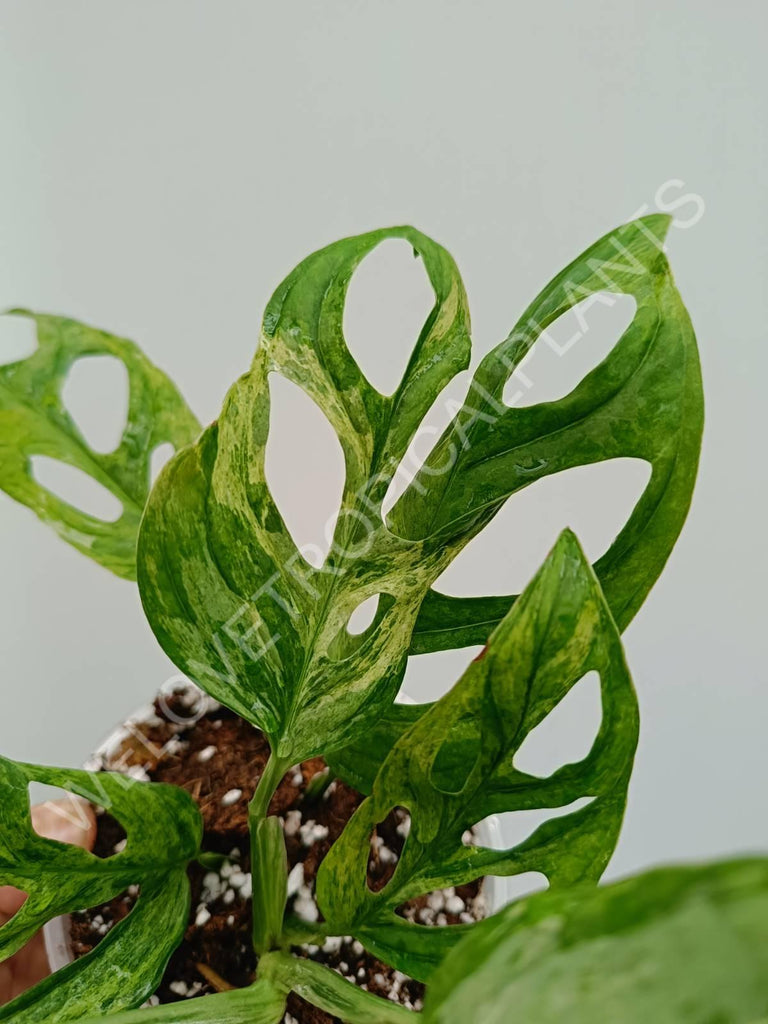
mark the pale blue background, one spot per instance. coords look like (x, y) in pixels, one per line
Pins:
(164, 163)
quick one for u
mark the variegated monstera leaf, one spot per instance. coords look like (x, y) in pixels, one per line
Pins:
(34, 420)
(236, 605)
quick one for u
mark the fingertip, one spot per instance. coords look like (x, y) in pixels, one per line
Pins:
(67, 821)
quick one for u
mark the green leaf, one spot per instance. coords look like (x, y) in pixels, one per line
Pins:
(164, 830)
(358, 763)
(260, 1003)
(228, 595)
(643, 401)
(34, 421)
(455, 766)
(685, 945)
(241, 611)
(322, 987)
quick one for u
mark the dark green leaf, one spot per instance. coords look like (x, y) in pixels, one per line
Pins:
(455, 766)
(675, 946)
(260, 1003)
(34, 421)
(164, 829)
(322, 987)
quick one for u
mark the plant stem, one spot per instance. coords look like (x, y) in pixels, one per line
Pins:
(274, 770)
(269, 864)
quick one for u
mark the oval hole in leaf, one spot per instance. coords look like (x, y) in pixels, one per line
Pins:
(96, 396)
(440, 414)
(518, 826)
(429, 676)
(97, 922)
(594, 501)
(456, 757)
(446, 907)
(567, 733)
(158, 459)
(387, 842)
(388, 300)
(18, 338)
(362, 617)
(304, 468)
(569, 349)
(76, 488)
(64, 816)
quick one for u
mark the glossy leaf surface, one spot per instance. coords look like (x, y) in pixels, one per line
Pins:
(164, 830)
(675, 946)
(455, 766)
(643, 401)
(34, 421)
(238, 607)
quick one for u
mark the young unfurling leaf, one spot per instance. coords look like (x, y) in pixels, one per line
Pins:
(456, 766)
(682, 945)
(241, 610)
(34, 421)
(164, 830)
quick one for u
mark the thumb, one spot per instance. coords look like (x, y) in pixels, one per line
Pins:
(68, 821)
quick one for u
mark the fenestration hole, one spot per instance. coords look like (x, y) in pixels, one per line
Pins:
(96, 394)
(595, 501)
(387, 842)
(567, 733)
(569, 349)
(362, 617)
(388, 299)
(76, 488)
(303, 456)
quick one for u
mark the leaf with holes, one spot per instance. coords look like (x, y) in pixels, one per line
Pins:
(164, 830)
(643, 401)
(229, 596)
(455, 766)
(684, 945)
(236, 605)
(34, 421)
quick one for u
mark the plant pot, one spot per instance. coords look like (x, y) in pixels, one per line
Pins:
(59, 932)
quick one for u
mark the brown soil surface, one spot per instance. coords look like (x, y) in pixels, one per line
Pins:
(218, 758)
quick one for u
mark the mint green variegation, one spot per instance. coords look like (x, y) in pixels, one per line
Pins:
(682, 945)
(164, 831)
(241, 611)
(455, 766)
(34, 421)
